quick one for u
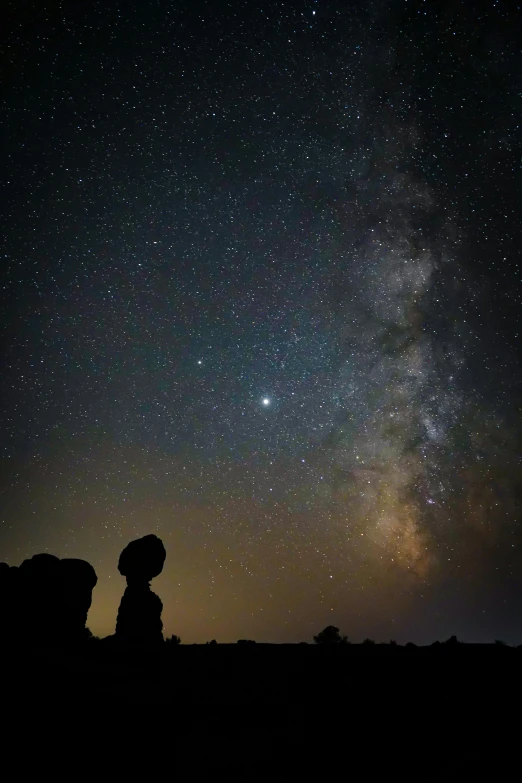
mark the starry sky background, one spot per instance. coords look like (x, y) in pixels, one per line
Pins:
(261, 294)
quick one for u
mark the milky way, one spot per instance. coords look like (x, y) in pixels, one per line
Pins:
(262, 299)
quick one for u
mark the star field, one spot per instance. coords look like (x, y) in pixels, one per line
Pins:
(261, 296)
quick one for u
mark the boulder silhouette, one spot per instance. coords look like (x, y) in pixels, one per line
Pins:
(142, 559)
(139, 616)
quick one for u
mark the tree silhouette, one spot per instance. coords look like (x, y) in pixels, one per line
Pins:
(330, 635)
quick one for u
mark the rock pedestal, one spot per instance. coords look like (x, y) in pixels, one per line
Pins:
(139, 616)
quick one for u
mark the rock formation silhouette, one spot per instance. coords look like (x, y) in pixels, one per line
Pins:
(79, 579)
(45, 600)
(139, 616)
(41, 592)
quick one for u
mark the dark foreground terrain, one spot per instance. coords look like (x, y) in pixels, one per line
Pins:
(267, 712)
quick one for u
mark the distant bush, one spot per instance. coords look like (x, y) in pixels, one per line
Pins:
(368, 642)
(173, 639)
(245, 641)
(330, 635)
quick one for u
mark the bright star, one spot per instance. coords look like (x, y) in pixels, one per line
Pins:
(266, 401)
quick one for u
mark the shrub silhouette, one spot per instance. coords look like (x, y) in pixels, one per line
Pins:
(330, 635)
(173, 639)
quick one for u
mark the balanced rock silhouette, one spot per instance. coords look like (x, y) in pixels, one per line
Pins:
(139, 615)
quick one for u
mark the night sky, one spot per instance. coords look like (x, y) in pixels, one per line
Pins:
(261, 294)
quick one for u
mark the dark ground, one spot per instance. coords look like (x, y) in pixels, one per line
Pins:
(272, 712)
